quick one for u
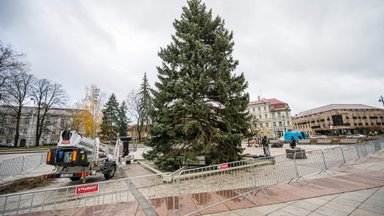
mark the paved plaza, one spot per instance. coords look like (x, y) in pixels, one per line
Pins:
(356, 189)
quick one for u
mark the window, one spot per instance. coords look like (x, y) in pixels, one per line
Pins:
(279, 114)
(2, 131)
(337, 120)
(5, 120)
(280, 124)
(13, 120)
(265, 108)
(287, 123)
(27, 121)
(8, 141)
(253, 109)
(259, 108)
(266, 115)
(259, 116)
(266, 125)
(274, 124)
(25, 131)
(10, 132)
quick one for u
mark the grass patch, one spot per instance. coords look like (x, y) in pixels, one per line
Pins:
(24, 184)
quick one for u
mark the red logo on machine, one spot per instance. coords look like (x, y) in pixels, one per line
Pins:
(87, 189)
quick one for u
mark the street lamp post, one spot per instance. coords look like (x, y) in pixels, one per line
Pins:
(95, 96)
(381, 99)
(30, 124)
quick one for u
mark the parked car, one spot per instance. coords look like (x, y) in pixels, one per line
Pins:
(359, 136)
(6, 144)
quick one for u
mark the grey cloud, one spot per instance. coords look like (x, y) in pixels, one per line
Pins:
(297, 51)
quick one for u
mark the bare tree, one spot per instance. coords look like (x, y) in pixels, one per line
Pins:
(254, 121)
(47, 95)
(134, 108)
(9, 61)
(18, 89)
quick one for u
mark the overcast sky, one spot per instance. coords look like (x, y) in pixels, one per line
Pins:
(306, 53)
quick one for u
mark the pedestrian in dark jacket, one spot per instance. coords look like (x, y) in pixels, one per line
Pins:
(292, 143)
(265, 144)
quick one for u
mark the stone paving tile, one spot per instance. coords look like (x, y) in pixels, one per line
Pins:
(304, 204)
(248, 211)
(374, 208)
(317, 201)
(375, 201)
(298, 191)
(203, 200)
(339, 207)
(315, 214)
(295, 210)
(281, 213)
(271, 208)
(362, 212)
(329, 211)
(347, 202)
(238, 203)
(329, 197)
(230, 213)
(354, 196)
(286, 196)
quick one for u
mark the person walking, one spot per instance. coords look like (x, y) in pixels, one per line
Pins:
(292, 143)
(265, 144)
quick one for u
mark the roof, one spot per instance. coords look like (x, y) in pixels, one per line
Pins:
(334, 107)
(271, 101)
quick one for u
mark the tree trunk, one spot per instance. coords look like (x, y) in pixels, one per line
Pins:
(38, 126)
(17, 135)
(138, 130)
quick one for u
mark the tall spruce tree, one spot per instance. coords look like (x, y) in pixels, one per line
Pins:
(200, 103)
(110, 121)
(123, 120)
(145, 103)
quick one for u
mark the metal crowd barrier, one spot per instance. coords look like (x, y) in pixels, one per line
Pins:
(191, 191)
(145, 195)
(19, 165)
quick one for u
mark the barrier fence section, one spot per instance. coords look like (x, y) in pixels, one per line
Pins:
(206, 187)
(192, 191)
(144, 195)
(19, 165)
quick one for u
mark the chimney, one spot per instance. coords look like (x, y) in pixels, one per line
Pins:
(258, 98)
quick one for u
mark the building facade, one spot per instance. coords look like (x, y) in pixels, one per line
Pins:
(272, 117)
(340, 119)
(57, 120)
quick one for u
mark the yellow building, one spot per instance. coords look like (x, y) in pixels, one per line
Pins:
(338, 119)
(273, 117)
